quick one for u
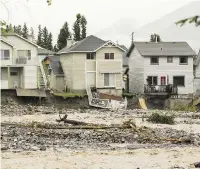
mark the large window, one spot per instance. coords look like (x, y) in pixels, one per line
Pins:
(109, 55)
(154, 60)
(109, 80)
(24, 54)
(5, 54)
(169, 59)
(90, 56)
(179, 80)
(152, 80)
(183, 60)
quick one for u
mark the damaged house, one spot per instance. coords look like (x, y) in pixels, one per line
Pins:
(95, 63)
(161, 68)
(197, 75)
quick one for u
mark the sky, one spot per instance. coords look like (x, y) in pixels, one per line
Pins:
(99, 13)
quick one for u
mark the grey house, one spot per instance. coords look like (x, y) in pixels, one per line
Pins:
(160, 68)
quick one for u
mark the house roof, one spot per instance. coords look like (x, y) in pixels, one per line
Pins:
(14, 34)
(52, 58)
(125, 59)
(43, 51)
(7, 43)
(56, 68)
(162, 49)
(197, 61)
(89, 44)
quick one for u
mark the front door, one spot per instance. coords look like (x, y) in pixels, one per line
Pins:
(163, 80)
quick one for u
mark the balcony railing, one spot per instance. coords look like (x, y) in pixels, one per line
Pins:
(21, 60)
(161, 89)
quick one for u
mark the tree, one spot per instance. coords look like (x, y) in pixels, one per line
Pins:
(45, 38)
(83, 27)
(49, 44)
(155, 38)
(32, 34)
(9, 29)
(63, 36)
(55, 48)
(39, 38)
(25, 31)
(194, 19)
(76, 28)
(19, 30)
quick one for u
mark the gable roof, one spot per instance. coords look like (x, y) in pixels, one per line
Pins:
(43, 51)
(14, 34)
(7, 43)
(56, 68)
(197, 61)
(89, 44)
(52, 58)
(162, 49)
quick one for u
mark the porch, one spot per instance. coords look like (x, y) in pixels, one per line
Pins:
(159, 90)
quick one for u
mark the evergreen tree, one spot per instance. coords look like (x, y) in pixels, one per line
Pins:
(83, 27)
(45, 38)
(63, 36)
(9, 29)
(55, 48)
(15, 29)
(19, 30)
(50, 46)
(155, 38)
(32, 34)
(76, 28)
(39, 38)
(25, 31)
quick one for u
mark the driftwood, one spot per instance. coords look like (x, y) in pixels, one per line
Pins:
(73, 122)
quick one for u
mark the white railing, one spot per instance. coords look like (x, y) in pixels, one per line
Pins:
(21, 60)
(43, 73)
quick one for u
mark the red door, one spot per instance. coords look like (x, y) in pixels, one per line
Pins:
(163, 80)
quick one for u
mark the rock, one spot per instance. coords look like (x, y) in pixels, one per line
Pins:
(43, 148)
(4, 134)
(34, 148)
(15, 140)
(197, 165)
(4, 148)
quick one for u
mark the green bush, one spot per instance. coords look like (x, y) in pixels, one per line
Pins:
(182, 107)
(161, 118)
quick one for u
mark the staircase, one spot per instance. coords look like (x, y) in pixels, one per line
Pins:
(42, 80)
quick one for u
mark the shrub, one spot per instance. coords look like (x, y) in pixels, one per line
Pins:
(182, 107)
(161, 118)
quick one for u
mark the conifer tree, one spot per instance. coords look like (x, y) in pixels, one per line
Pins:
(76, 28)
(49, 45)
(25, 31)
(45, 37)
(83, 27)
(39, 38)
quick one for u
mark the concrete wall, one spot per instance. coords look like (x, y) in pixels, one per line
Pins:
(5, 46)
(136, 72)
(170, 70)
(4, 78)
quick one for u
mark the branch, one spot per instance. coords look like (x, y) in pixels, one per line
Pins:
(194, 19)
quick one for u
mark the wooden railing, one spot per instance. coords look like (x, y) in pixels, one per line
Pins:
(165, 89)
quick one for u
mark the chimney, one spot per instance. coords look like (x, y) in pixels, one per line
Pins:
(156, 38)
(69, 42)
(30, 38)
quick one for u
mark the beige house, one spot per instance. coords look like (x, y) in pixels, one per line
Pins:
(19, 63)
(161, 68)
(93, 62)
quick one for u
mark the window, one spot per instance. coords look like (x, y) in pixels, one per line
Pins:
(109, 55)
(152, 80)
(183, 60)
(109, 80)
(169, 59)
(24, 54)
(179, 80)
(154, 60)
(90, 56)
(5, 54)
(13, 73)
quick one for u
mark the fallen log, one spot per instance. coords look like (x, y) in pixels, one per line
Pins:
(73, 122)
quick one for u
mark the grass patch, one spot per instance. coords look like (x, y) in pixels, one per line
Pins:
(182, 107)
(161, 118)
(69, 95)
(128, 94)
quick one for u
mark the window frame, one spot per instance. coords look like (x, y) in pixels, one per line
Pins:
(152, 80)
(114, 77)
(109, 56)
(153, 57)
(3, 54)
(168, 59)
(26, 53)
(90, 56)
(185, 57)
(179, 85)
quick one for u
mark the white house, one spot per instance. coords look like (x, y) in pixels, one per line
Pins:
(20, 66)
(155, 66)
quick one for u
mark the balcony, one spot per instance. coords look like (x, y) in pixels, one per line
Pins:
(21, 60)
(161, 90)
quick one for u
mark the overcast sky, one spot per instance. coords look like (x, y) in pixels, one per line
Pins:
(99, 13)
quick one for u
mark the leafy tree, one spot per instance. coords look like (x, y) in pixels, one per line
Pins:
(83, 27)
(194, 19)
(9, 29)
(45, 38)
(76, 28)
(155, 38)
(63, 36)
(25, 31)
(49, 44)
(39, 38)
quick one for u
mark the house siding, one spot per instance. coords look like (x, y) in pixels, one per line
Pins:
(5, 46)
(197, 80)
(170, 70)
(4, 78)
(30, 77)
(136, 72)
